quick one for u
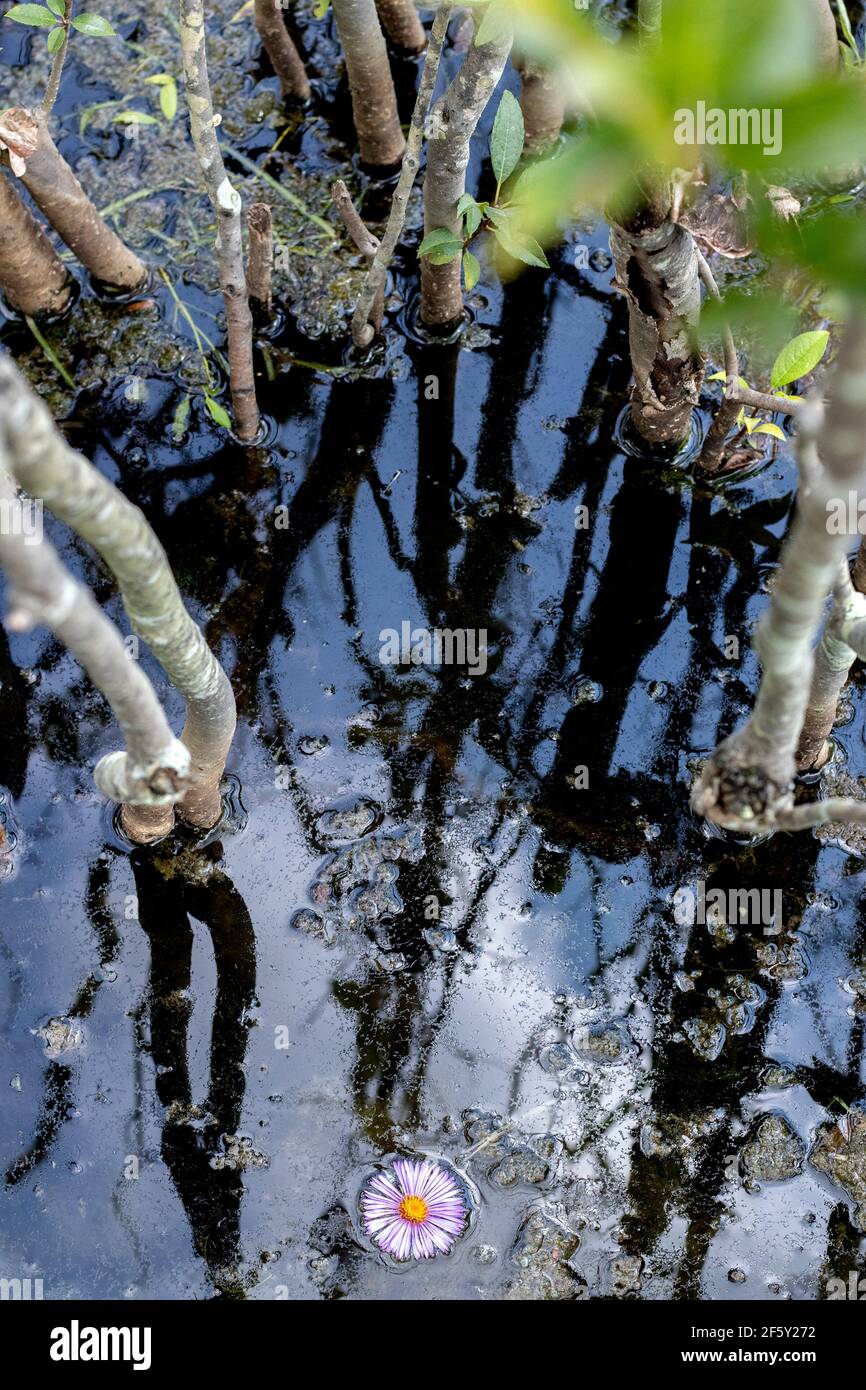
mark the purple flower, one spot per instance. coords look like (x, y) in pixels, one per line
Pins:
(414, 1211)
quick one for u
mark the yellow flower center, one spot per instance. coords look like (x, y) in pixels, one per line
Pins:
(414, 1209)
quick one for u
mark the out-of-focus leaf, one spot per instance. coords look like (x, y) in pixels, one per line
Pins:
(521, 247)
(495, 25)
(769, 428)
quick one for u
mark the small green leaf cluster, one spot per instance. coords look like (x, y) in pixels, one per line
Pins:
(797, 359)
(52, 16)
(442, 245)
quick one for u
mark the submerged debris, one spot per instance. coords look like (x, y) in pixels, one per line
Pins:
(840, 1152)
(542, 1250)
(507, 1155)
(775, 1151)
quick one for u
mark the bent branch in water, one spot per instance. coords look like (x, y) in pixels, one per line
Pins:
(747, 784)
(75, 491)
(153, 773)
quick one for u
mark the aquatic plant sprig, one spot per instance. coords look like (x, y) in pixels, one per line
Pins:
(442, 245)
(56, 16)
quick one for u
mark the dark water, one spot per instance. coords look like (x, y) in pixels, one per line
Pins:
(223, 1078)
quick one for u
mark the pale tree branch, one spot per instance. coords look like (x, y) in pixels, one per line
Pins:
(154, 771)
(75, 491)
(747, 784)
(226, 202)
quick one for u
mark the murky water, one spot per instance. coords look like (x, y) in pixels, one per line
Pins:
(438, 918)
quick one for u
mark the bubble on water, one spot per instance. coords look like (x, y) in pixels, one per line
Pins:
(349, 821)
(389, 962)
(600, 260)
(584, 691)
(441, 939)
(485, 1254)
(314, 744)
(15, 1083)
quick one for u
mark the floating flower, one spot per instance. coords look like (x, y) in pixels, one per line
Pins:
(414, 1211)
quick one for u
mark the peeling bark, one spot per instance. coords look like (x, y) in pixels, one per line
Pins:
(33, 278)
(153, 772)
(374, 101)
(542, 104)
(58, 194)
(260, 265)
(657, 271)
(226, 203)
(451, 126)
(72, 488)
(402, 24)
(747, 784)
(280, 48)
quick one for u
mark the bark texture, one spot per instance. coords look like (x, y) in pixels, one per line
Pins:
(260, 265)
(374, 101)
(542, 104)
(833, 661)
(657, 271)
(72, 488)
(154, 771)
(58, 194)
(364, 324)
(452, 124)
(227, 205)
(33, 278)
(747, 784)
(402, 24)
(280, 48)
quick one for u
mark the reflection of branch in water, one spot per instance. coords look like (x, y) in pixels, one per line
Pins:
(171, 891)
(57, 1105)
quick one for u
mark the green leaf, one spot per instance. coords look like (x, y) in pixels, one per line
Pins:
(168, 99)
(723, 376)
(750, 421)
(55, 39)
(217, 413)
(773, 430)
(321, 7)
(136, 118)
(472, 220)
(799, 357)
(57, 7)
(521, 248)
(180, 423)
(845, 26)
(506, 138)
(471, 270)
(441, 243)
(464, 202)
(94, 26)
(495, 26)
(35, 15)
